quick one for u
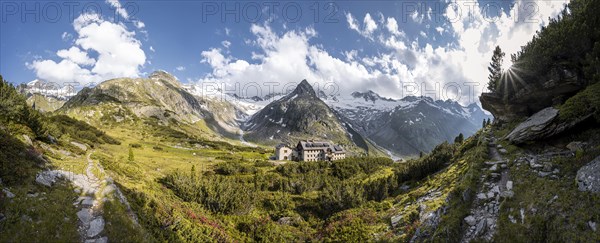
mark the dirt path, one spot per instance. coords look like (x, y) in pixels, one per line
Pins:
(91, 220)
(484, 214)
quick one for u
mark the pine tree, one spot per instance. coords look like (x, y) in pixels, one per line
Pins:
(484, 124)
(459, 139)
(489, 122)
(495, 69)
(193, 172)
(131, 159)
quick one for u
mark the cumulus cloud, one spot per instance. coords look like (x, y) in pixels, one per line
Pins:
(76, 55)
(392, 27)
(369, 25)
(118, 52)
(118, 8)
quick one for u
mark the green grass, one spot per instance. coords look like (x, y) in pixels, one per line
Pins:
(49, 217)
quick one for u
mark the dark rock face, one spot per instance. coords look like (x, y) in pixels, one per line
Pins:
(588, 176)
(530, 100)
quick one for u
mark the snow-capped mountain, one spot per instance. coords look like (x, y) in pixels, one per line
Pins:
(410, 125)
(46, 89)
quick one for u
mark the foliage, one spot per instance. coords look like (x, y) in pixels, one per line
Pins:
(495, 70)
(568, 47)
(218, 194)
(586, 102)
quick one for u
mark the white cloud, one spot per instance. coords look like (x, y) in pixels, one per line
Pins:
(119, 54)
(369, 25)
(416, 17)
(118, 8)
(225, 44)
(392, 27)
(227, 31)
(66, 36)
(423, 34)
(76, 55)
(439, 29)
(453, 71)
(180, 68)
(139, 24)
(152, 49)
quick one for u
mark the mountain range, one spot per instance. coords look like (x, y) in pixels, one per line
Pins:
(363, 122)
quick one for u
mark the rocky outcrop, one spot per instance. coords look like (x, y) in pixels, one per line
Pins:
(530, 100)
(542, 124)
(588, 176)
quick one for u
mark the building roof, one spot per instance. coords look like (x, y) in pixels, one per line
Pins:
(320, 145)
(282, 145)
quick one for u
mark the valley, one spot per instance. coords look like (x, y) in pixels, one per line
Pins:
(133, 153)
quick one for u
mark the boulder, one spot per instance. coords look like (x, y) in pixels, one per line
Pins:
(588, 176)
(96, 226)
(8, 193)
(542, 124)
(470, 220)
(574, 146)
(509, 185)
(85, 215)
(396, 219)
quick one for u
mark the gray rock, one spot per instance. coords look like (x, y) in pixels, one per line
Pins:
(509, 185)
(494, 168)
(470, 220)
(79, 145)
(27, 140)
(480, 227)
(396, 219)
(85, 215)
(588, 176)
(507, 194)
(592, 225)
(285, 220)
(533, 125)
(490, 194)
(8, 193)
(88, 202)
(502, 151)
(481, 196)
(96, 226)
(99, 240)
(542, 124)
(512, 219)
(547, 167)
(574, 146)
(543, 174)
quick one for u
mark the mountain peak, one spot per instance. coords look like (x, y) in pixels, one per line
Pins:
(304, 88)
(161, 74)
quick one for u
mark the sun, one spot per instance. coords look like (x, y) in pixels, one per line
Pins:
(507, 64)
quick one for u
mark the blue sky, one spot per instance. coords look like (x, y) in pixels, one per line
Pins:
(396, 48)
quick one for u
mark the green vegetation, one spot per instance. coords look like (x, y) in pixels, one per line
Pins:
(495, 70)
(584, 103)
(551, 54)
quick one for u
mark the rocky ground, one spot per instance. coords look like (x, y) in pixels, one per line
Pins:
(95, 188)
(495, 184)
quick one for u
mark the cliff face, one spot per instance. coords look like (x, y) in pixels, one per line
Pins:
(532, 99)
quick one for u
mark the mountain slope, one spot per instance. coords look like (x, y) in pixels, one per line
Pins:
(410, 125)
(301, 115)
